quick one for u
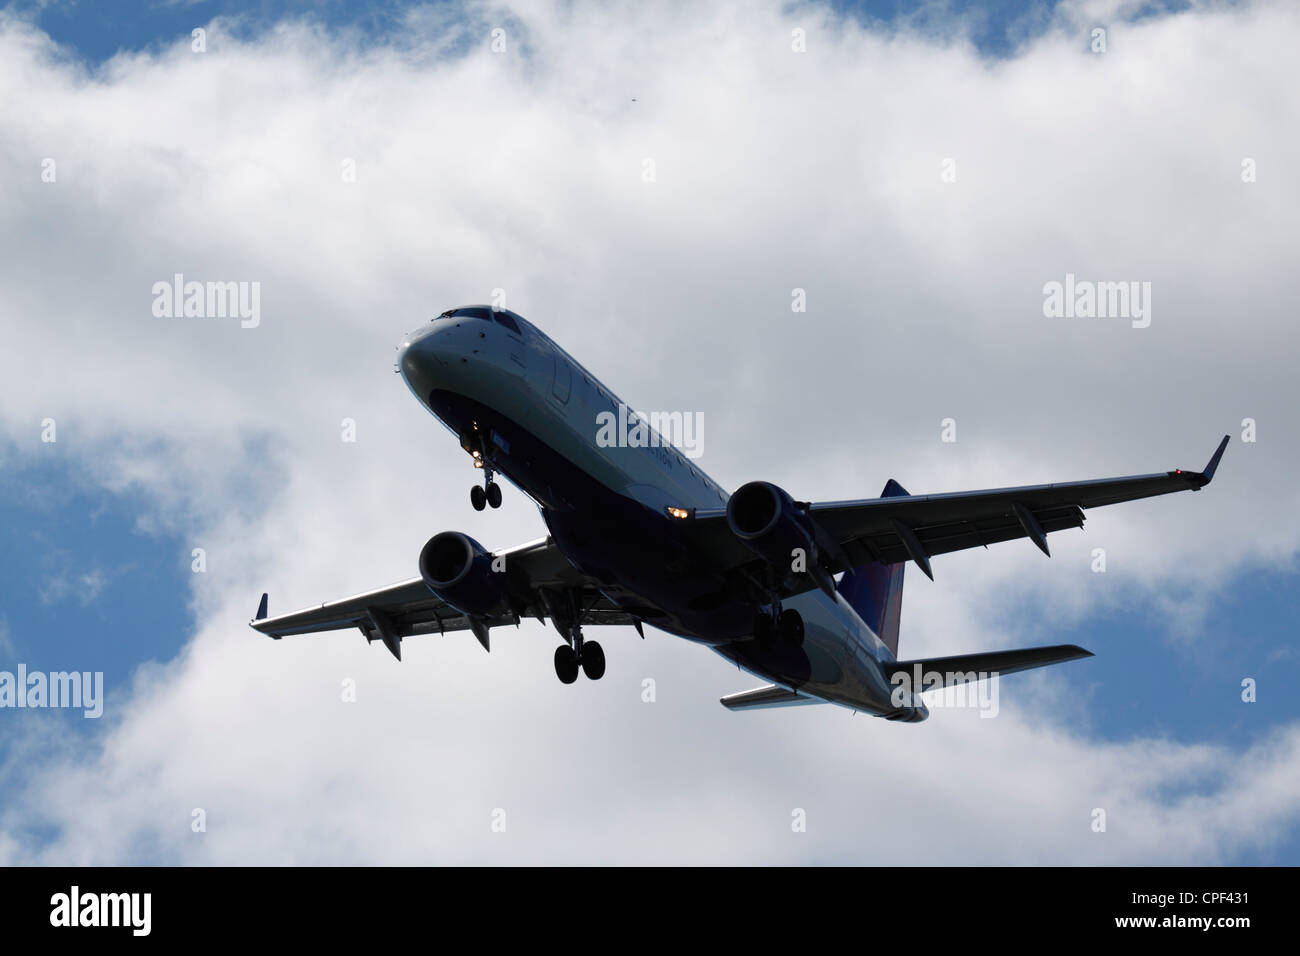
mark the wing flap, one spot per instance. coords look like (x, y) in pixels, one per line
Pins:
(888, 547)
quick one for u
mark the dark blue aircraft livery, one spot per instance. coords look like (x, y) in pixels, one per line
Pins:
(640, 535)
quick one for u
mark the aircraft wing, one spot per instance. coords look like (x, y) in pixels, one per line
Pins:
(902, 527)
(539, 577)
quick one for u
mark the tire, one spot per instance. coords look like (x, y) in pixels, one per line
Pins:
(566, 664)
(593, 660)
(478, 498)
(791, 627)
(494, 495)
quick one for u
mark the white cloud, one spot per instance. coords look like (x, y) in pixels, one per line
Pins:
(775, 170)
(84, 588)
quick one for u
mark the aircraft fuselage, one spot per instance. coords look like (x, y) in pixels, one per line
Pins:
(530, 410)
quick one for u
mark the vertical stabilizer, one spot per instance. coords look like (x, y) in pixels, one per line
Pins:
(875, 590)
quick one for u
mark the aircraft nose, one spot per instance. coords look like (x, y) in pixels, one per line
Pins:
(421, 358)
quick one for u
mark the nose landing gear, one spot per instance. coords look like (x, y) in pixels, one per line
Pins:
(490, 492)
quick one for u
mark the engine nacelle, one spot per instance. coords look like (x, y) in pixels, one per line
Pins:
(771, 525)
(913, 714)
(458, 569)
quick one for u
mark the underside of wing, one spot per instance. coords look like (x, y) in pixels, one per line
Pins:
(900, 527)
(540, 579)
(888, 530)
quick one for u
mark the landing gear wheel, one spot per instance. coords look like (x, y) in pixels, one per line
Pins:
(791, 627)
(763, 629)
(494, 494)
(593, 660)
(478, 498)
(566, 664)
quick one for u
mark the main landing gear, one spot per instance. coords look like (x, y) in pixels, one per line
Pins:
(575, 653)
(785, 626)
(589, 657)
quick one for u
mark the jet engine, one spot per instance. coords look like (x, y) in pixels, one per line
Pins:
(458, 569)
(771, 525)
(913, 714)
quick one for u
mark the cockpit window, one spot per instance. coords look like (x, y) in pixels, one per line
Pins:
(508, 320)
(473, 312)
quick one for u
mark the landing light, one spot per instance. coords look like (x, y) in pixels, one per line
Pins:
(677, 512)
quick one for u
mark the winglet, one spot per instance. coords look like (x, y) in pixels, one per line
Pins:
(261, 609)
(1214, 461)
(1199, 479)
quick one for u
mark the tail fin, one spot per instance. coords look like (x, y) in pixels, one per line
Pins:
(875, 590)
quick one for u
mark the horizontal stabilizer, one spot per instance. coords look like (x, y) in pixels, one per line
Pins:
(769, 696)
(964, 668)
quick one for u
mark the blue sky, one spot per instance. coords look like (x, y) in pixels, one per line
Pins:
(100, 579)
(93, 590)
(98, 31)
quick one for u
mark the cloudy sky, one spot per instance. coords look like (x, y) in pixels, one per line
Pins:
(921, 171)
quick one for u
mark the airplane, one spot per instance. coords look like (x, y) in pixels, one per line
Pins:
(641, 535)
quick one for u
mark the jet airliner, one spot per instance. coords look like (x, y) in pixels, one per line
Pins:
(804, 595)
